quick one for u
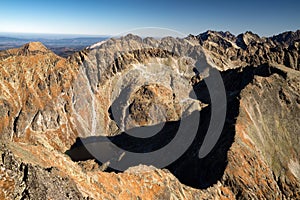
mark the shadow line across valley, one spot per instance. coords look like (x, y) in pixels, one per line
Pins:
(189, 169)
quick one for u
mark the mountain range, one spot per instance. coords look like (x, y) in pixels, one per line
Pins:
(60, 117)
(61, 46)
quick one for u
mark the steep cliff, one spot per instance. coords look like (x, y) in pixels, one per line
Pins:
(122, 90)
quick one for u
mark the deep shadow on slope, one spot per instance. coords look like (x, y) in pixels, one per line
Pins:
(189, 169)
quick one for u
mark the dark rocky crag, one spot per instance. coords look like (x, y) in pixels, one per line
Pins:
(48, 102)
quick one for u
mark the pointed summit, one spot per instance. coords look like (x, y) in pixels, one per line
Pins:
(31, 48)
(34, 46)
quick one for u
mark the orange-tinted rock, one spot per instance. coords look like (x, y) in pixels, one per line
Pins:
(47, 102)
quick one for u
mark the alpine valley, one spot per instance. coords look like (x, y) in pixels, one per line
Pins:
(52, 109)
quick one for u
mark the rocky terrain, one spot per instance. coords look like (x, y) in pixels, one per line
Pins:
(70, 126)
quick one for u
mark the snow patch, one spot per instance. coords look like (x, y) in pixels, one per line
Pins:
(97, 44)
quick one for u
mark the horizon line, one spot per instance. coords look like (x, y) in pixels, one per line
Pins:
(4, 33)
(13, 33)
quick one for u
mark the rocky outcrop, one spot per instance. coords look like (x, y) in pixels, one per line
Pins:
(35, 90)
(28, 174)
(229, 52)
(267, 126)
(158, 95)
(261, 134)
(50, 105)
(21, 180)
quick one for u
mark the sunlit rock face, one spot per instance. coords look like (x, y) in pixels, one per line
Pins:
(268, 126)
(35, 98)
(248, 49)
(135, 81)
(48, 102)
(151, 103)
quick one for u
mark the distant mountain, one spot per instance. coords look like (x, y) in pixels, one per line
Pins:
(62, 47)
(230, 51)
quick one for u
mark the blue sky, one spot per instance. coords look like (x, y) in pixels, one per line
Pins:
(112, 17)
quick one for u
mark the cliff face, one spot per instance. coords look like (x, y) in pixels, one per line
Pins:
(248, 49)
(47, 103)
(35, 91)
(266, 133)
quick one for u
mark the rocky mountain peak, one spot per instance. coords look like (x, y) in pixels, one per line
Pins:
(206, 35)
(33, 47)
(132, 37)
(209, 35)
(245, 39)
(287, 38)
(227, 50)
(51, 106)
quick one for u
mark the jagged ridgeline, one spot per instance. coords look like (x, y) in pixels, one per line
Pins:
(52, 107)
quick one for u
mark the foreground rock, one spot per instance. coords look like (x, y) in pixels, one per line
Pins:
(48, 102)
(25, 174)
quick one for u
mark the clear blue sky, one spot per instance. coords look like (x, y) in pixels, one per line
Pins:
(111, 17)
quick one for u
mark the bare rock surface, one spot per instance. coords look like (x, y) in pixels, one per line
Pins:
(47, 103)
(229, 51)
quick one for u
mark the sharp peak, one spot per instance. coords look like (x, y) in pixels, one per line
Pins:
(34, 46)
(248, 33)
(217, 32)
(222, 34)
